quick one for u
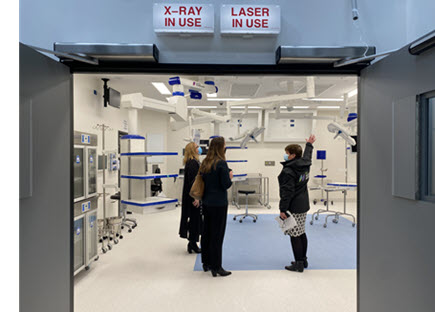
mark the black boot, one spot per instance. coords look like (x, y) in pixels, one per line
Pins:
(220, 272)
(205, 267)
(193, 247)
(297, 266)
(305, 262)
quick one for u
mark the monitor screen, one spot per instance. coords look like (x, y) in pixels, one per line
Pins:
(114, 98)
(102, 162)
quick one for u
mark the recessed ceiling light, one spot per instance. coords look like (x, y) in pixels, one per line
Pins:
(227, 99)
(301, 107)
(352, 93)
(324, 99)
(193, 106)
(211, 95)
(329, 107)
(252, 107)
(161, 87)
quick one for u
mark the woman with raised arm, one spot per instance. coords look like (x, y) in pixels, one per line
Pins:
(293, 192)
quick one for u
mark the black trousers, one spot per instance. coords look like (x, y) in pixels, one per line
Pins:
(212, 239)
(191, 222)
(194, 224)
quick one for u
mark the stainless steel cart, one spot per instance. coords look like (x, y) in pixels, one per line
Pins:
(251, 182)
(335, 187)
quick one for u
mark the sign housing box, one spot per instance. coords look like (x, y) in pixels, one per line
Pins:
(175, 18)
(250, 19)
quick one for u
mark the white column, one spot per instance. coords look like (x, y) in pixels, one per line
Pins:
(132, 121)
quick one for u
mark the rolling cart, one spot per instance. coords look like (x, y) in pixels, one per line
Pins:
(253, 182)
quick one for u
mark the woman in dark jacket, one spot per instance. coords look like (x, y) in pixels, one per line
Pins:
(293, 192)
(190, 223)
(217, 179)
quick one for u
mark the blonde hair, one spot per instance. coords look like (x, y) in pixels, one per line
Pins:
(215, 153)
(190, 152)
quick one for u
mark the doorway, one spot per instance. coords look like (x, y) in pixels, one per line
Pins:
(170, 260)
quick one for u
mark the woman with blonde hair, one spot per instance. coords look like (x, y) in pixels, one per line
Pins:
(191, 221)
(217, 179)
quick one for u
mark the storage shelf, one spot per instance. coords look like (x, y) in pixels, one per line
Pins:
(343, 184)
(237, 161)
(149, 201)
(150, 154)
(149, 176)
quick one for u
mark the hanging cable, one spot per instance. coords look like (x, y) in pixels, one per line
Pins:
(355, 17)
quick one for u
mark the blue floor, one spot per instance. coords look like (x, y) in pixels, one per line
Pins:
(262, 245)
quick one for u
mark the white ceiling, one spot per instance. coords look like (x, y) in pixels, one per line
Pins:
(239, 86)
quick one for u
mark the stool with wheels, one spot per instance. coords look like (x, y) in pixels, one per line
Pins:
(246, 214)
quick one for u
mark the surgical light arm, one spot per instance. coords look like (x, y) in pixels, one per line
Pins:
(213, 116)
(177, 107)
(249, 135)
(341, 131)
(178, 84)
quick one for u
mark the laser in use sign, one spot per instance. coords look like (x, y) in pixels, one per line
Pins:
(183, 18)
(250, 19)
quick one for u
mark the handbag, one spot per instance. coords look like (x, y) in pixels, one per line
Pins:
(197, 190)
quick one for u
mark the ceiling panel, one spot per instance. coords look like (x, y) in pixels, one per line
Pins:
(236, 86)
(244, 90)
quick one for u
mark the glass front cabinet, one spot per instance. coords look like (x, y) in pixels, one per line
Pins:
(91, 171)
(85, 166)
(79, 173)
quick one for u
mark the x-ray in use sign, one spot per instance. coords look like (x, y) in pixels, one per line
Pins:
(183, 18)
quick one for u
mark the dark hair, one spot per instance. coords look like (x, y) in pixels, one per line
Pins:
(295, 149)
(216, 152)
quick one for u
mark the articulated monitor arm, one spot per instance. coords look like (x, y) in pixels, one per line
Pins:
(249, 135)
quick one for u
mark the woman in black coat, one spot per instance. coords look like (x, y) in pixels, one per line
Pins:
(191, 221)
(217, 179)
(293, 192)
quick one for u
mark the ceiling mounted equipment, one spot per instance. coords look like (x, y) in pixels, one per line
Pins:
(319, 55)
(109, 51)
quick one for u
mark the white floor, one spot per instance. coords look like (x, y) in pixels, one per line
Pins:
(150, 270)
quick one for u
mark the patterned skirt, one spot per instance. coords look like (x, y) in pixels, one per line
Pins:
(299, 229)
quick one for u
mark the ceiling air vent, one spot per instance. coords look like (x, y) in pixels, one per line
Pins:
(244, 90)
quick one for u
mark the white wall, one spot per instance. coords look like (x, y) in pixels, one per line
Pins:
(387, 24)
(257, 154)
(89, 111)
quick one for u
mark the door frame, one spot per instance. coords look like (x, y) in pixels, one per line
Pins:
(132, 68)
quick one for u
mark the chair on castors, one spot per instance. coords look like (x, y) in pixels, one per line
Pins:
(246, 214)
(122, 211)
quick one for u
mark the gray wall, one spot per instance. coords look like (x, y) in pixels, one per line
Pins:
(309, 22)
(46, 211)
(397, 236)
(419, 18)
